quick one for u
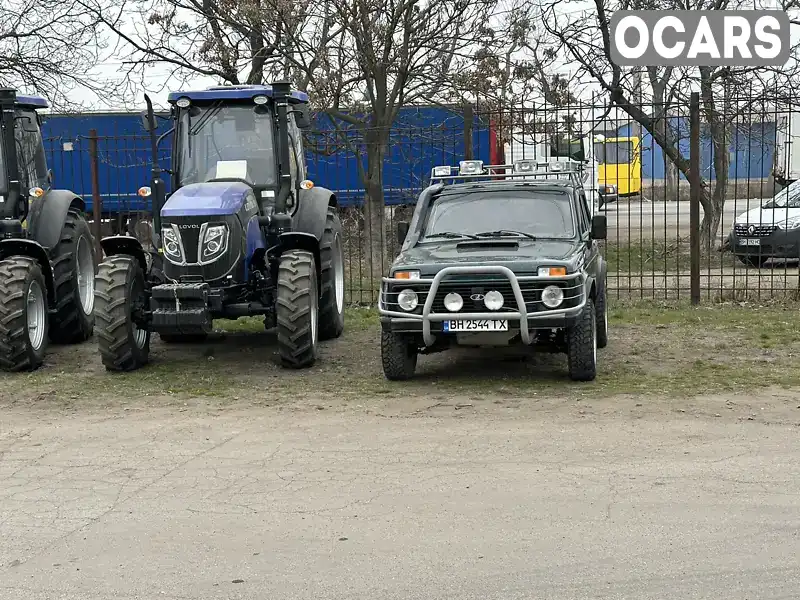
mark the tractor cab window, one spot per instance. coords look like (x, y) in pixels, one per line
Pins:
(30, 150)
(221, 141)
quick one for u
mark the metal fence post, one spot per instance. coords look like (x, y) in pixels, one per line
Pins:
(469, 118)
(694, 196)
(97, 208)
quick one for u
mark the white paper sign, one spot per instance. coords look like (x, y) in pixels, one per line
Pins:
(231, 169)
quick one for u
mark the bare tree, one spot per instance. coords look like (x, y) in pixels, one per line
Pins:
(585, 40)
(360, 60)
(48, 47)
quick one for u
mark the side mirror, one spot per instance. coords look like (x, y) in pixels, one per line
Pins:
(599, 227)
(301, 117)
(402, 231)
(145, 121)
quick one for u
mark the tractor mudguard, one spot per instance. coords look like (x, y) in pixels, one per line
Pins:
(313, 211)
(22, 247)
(48, 214)
(296, 240)
(125, 244)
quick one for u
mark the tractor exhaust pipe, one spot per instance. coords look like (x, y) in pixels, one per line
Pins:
(280, 94)
(157, 184)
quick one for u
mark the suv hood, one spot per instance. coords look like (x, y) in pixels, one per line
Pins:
(523, 254)
(767, 216)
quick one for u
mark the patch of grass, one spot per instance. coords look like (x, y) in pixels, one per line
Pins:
(356, 319)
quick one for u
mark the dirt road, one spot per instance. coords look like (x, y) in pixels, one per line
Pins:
(214, 474)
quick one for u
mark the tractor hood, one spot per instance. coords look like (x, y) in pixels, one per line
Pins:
(209, 198)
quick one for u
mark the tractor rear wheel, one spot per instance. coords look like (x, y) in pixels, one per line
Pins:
(120, 301)
(297, 309)
(23, 314)
(73, 261)
(331, 304)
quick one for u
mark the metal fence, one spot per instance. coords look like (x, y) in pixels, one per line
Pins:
(656, 248)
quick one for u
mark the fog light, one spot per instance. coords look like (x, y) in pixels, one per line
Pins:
(552, 296)
(408, 300)
(453, 302)
(493, 300)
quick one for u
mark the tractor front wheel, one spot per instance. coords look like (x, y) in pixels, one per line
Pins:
(120, 301)
(23, 314)
(297, 309)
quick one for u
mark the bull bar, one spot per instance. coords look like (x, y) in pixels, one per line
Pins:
(521, 314)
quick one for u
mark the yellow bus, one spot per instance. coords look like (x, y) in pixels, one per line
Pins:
(620, 161)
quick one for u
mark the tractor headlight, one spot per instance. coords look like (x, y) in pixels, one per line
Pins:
(171, 242)
(215, 243)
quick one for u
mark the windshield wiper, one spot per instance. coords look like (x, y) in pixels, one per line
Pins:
(502, 232)
(215, 108)
(451, 234)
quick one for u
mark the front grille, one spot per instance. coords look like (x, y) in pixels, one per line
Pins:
(476, 287)
(745, 230)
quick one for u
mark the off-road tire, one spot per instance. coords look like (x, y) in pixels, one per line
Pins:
(119, 280)
(753, 260)
(16, 352)
(581, 345)
(602, 318)
(331, 316)
(189, 338)
(70, 324)
(398, 355)
(297, 308)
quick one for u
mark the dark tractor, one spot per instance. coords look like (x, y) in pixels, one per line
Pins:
(243, 233)
(47, 257)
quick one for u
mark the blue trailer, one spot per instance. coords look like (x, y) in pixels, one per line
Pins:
(421, 138)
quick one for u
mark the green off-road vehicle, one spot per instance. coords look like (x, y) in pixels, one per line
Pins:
(497, 255)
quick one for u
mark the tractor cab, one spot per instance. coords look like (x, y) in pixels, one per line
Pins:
(230, 134)
(24, 175)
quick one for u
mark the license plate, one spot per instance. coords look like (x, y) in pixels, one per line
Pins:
(476, 325)
(750, 242)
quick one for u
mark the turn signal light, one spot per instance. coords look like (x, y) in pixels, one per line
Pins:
(407, 275)
(306, 184)
(552, 271)
(36, 192)
(144, 191)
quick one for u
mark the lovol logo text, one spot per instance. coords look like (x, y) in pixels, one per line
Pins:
(736, 38)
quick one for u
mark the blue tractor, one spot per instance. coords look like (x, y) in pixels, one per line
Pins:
(243, 233)
(47, 253)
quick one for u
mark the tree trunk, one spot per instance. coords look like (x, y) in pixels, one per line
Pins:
(719, 141)
(374, 241)
(671, 181)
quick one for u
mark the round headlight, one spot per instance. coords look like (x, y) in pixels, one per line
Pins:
(407, 299)
(552, 296)
(493, 300)
(183, 102)
(260, 100)
(453, 302)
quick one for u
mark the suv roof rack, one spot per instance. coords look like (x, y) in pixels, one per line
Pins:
(526, 168)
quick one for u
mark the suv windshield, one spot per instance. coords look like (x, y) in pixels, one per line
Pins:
(539, 213)
(788, 197)
(224, 141)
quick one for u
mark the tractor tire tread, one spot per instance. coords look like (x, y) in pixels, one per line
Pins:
(117, 348)
(293, 305)
(331, 322)
(15, 355)
(69, 325)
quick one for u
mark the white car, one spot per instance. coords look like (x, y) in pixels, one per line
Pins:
(771, 230)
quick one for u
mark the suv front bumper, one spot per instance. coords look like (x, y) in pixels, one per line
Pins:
(430, 323)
